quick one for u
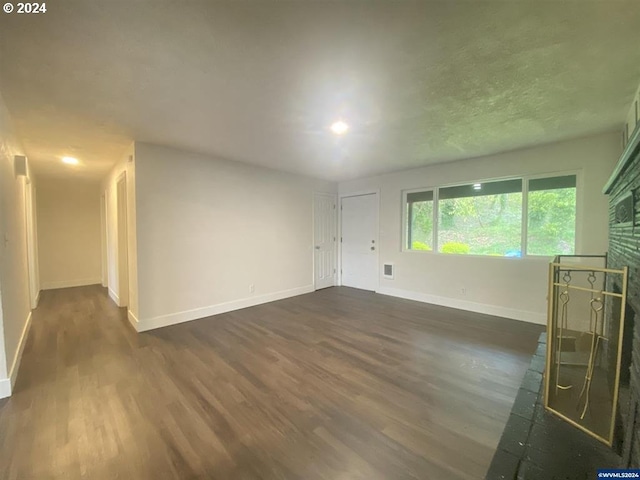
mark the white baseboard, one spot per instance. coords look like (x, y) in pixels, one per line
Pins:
(15, 366)
(522, 315)
(7, 384)
(133, 320)
(5, 388)
(36, 300)
(71, 283)
(114, 297)
(143, 325)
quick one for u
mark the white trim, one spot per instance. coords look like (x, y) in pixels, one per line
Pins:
(580, 213)
(522, 315)
(122, 239)
(133, 320)
(83, 282)
(38, 299)
(436, 221)
(524, 218)
(15, 366)
(143, 325)
(114, 296)
(5, 388)
(30, 235)
(104, 249)
(359, 193)
(404, 219)
(313, 239)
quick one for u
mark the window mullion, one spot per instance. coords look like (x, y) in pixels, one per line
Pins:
(434, 233)
(409, 230)
(525, 216)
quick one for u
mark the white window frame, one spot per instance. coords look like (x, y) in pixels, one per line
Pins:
(525, 212)
(405, 220)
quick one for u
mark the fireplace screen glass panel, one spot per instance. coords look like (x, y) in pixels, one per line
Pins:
(584, 331)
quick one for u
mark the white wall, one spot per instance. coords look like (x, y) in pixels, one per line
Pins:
(207, 229)
(509, 287)
(15, 313)
(69, 241)
(632, 117)
(125, 167)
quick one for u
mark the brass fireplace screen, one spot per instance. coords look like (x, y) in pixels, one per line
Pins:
(584, 335)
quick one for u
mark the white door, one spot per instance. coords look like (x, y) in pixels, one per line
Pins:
(359, 241)
(324, 236)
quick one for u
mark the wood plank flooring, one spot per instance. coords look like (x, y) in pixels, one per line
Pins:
(335, 385)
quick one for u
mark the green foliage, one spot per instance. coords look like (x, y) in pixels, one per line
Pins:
(486, 224)
(421, 222)
(416, 245)
(456, 247)
(492, 224)
(447, 214)
(552, 222)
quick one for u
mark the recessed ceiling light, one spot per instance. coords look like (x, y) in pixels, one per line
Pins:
(70, 160)
(339, 127)
(477, 186)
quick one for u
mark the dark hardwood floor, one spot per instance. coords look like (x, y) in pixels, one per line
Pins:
(335, 385)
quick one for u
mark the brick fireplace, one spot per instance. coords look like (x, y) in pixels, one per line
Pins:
(536, 444)
(623, 189)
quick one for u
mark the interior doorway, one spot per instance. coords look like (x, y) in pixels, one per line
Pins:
(324, 240)
(359, 241)
(122, 242)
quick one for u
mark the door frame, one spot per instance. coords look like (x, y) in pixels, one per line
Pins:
(337, 280)
(104, 237)
(360, 193)
(32, 242)
(122, 239)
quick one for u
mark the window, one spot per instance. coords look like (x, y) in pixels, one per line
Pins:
(551, 215)
(492, 218)
(420, 220)
(481, 218)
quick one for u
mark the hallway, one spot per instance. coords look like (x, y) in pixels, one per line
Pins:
(339, 383)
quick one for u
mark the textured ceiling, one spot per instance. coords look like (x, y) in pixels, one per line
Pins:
(260, 82)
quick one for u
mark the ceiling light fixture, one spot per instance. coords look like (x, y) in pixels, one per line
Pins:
(70, 160)
(477, 186)
(339, 127)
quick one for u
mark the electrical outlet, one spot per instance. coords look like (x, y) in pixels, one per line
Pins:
(463, 290)
(252, 288)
